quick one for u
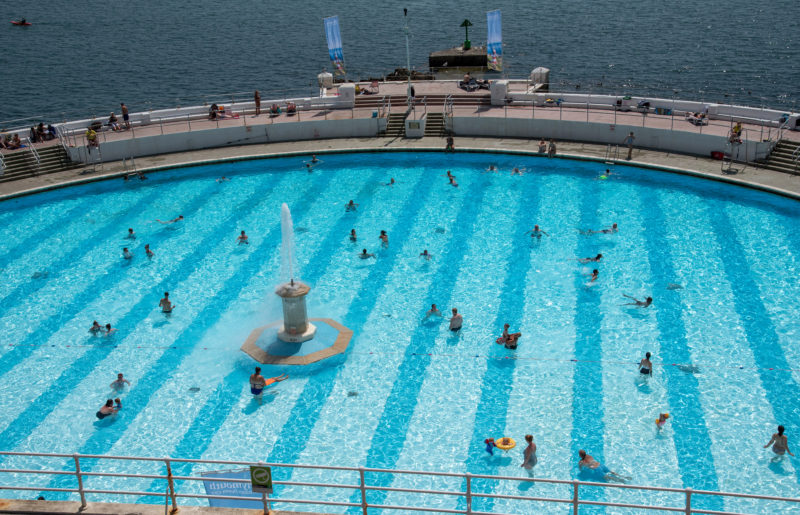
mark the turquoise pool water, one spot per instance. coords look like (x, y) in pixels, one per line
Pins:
(720, 263)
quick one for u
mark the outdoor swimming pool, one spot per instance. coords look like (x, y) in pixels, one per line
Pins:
(720, 262)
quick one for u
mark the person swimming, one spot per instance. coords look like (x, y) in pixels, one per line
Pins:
(509, 340)
(661, 421)
(594, 276)
(127, 254)
(590, 464)
(242, 239)
(353, 235)
(779, 442)
(314, 159)
(384, 239)
(174, 220)
(490, 445)
(391, 182)
(165, 304)
(106, 410)
(117, 404)
(645, 365)
(536, 232)
(638, 303)
(516, 171)
(131, 235)
(433, 312)
(351, 206)
(109, 329)
(366, 255)
(608, 230)
(148, 251)
(223, 179)
(424, 254)
(120, 382)
(309, 168)
(595, 259)
(258, 383)
(96, 328)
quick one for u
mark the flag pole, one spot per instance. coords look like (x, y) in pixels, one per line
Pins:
(408, 58)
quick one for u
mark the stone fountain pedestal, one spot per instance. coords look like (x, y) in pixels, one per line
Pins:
(296, 327)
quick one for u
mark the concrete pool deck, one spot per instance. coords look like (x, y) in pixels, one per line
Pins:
(767, 180)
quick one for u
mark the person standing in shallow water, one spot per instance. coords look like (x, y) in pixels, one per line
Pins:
(779, 442)
(529, 455)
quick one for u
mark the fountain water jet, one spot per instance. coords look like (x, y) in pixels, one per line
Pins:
(296, 327)
(290, 342)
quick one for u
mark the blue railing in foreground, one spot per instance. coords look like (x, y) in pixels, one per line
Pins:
(171, 495)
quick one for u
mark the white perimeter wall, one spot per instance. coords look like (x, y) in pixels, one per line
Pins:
(658, 139)
(229, 136)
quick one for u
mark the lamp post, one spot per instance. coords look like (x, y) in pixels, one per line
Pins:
(408, 58)
(466, 24)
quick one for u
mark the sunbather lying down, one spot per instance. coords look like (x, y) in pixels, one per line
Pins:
(697, 118)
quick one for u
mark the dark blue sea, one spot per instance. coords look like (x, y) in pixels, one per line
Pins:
(83, 58)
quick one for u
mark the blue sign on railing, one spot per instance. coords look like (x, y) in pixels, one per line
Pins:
(218, 486)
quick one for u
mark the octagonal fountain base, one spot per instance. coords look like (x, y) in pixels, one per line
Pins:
(264, 346)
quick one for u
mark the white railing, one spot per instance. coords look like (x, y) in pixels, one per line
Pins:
(2, 164)
(572, 488)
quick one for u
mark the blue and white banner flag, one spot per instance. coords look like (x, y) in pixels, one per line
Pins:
(494, 41)
(335, 44)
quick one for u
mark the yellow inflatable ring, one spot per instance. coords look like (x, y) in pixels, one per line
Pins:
(506, 443)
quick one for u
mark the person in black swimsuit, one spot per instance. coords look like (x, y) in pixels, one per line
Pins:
(646, 366)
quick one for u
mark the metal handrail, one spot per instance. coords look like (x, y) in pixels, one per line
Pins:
(34, 153)
(2, 164)
(468, 495)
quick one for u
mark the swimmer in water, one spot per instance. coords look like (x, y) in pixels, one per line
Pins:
(165, 304)
(646, 366)
(351, 206)
(516, 171)
(131, 235)
(529, 455)
(638, 303)
(127, 253)
(608, 230)
(96, 328)
(353, 237)
(309, 168)
(117, 404)
(661, 421)
(106, 410)
(595, 259)
(779, 442)
(384, 239)
(147, 250)
(223, 179)
(594, 276)
(365, 255)
(589, 463)
(180, 218)
(242, 239)
(433, 312)
(456, 320)
(491, 169)
(536, 232)
(109, 329)
(120, 382)
(314, 159)
(424, 254)
(509, 340)
(258, 383)
(391, 182)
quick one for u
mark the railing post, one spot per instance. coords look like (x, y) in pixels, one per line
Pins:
(362, 487)
(171, 485)
(189, 122)
(469, 492)
(574, 498)
(688, 501)
(161, 124)
(80, 480)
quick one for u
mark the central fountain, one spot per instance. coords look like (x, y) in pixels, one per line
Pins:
(295, 340)
(296, 327)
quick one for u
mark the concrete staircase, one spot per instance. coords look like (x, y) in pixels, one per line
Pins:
(434, 125)
(20, 164)
(396, 125)
(781, 158)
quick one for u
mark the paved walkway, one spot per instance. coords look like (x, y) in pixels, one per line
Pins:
(763, 179)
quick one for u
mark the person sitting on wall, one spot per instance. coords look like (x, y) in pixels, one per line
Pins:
(113, 123)
(274, 110)
(291, 108)
(213, 112)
